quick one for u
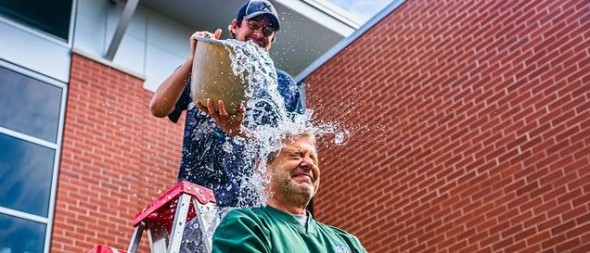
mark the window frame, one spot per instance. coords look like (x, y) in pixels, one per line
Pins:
(48, 221)
(46, 35)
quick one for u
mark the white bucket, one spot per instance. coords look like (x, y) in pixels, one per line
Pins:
(213, 77)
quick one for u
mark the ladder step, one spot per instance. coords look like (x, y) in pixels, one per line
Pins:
(162, 209)
(165, 218)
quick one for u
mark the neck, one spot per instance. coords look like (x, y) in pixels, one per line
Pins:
(287, 208)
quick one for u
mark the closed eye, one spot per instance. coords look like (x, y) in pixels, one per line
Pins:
(296, 154)
(302, 154)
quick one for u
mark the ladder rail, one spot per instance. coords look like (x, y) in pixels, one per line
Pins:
(179, 223)
(158, 237)
(136, 238)
(165, 220)
(208, 217)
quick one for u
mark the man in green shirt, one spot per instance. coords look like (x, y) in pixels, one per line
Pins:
(284, 225)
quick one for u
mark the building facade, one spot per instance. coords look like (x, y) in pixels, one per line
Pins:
(470, 128)
(80, 154)
(469, 125)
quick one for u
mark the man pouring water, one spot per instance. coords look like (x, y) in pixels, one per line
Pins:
(211, 147)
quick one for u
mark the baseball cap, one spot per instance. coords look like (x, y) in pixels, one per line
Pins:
(254, 8)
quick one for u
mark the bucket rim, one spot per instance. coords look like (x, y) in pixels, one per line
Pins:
(210, 40)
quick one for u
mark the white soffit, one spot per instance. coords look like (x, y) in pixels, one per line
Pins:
(324, 13)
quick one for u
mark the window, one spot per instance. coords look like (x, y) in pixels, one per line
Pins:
(52, 17)
(20, 236)
(31, 112)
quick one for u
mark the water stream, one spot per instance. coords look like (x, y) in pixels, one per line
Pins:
(266, 114)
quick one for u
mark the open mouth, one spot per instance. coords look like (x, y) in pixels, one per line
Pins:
(303, 177)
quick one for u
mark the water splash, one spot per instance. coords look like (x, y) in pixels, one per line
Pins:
(254, 66)
(227, 147)
(267, 116)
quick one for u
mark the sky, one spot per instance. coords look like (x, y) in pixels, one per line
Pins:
(363, 9)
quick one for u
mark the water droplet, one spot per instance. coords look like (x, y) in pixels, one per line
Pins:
(227, 147)
(341, 138)
(159, 191)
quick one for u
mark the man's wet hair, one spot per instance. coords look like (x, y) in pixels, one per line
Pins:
(308, 134)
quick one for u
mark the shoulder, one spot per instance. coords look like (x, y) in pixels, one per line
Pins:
(333, 229)
(284, 79)
(243, 217)
(242, 212)
(339, 231)
(241, 230)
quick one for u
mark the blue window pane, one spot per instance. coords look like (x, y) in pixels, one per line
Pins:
(21, 236)
(49, 16)
(28, 105)
(25, 175)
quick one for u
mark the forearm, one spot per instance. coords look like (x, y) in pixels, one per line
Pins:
(166, 96)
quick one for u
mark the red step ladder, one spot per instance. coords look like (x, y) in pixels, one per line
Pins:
(165, 218)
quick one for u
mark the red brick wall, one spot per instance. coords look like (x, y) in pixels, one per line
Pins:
(115, 158)
(470, 127)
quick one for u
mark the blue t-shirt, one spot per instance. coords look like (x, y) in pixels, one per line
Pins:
(211, 158)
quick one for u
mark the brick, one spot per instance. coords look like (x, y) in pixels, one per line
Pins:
(530, 205)
(568, 245)
(548, 224)
(578, 231)
(584, 198)
(553, 241)
(511, 231)
(568, 197)
(490, 240)
(517, 247)
(539, 238)
(474, 88)
(503, 244)
(582, 249)
(563, 227)
(525, 233)
(90, 153)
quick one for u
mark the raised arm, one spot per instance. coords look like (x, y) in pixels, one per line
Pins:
(168, 93)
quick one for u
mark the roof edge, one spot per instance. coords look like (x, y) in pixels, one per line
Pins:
(335, 11)
(323, 15)
(347, 41)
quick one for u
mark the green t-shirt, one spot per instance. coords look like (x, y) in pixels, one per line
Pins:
(266, 229)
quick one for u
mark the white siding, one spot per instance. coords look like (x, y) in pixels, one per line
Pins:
(34, 50)
(153, 45)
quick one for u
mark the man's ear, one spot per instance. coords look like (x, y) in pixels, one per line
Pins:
(233, 27)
